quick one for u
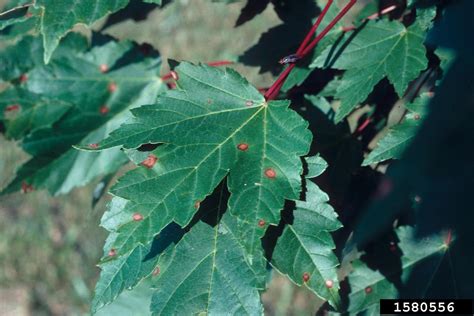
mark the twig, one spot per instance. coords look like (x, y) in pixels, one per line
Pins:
(305, 48)
(371, 17)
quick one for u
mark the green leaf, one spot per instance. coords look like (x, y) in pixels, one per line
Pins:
(135, 302)
(400, 136)
(59, 17)
(33, 113)
(17, 59)
(203, 125)
(210, 272)
(316, 166)
(380, 49)
(419, 256)
(306, 247)
(9, 19)
(99, 104)
(125, 272)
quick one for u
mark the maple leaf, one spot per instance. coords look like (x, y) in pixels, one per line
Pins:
(125, 272)
(377, 50)
(215, 124)
(213, 263)
(77, 101)
(304, 251)
(58, 18)
(369, 286)
(399, 136)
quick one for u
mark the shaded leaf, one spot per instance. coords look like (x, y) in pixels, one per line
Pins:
(380, 49)
(99, 103)
(421, 256)
(400, 136)
(305, 249)
(59, 17)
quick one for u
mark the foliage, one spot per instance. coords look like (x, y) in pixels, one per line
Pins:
(230, 183)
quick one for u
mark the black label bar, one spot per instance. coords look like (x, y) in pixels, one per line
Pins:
(420, 307)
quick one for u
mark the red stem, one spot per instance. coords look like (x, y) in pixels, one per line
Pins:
(328, 27)
(304, 49)
(219, 63)
(371, 17)
(447, 241)
(273, 91)
(363, 125)
(314, 28)
(384, 11)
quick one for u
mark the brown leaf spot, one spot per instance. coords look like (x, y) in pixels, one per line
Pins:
(112, 252)
(243, 146)
(103, 68)
(23, 78)
(249, 103)
(137, 217)
(156, 271)
(261, 223)
(150, 161)
(197, 204)
(13, 107)
(329, 284)
(26, 188)
(368, 290)
(104, 110)
(94, 146)
(112, 87)
(305, 277)
(270, 173)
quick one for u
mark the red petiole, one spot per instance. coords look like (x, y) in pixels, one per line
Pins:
(305, 48)
(371, 17)
(314, 28)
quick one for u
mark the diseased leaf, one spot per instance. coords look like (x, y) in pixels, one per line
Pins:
(399, 137)
(98, 98)
(304, 251)
(25, 112)
(209, 270)
(59, 17)
(420, 256)
(125, 272)
(379, 49)
(215, 124)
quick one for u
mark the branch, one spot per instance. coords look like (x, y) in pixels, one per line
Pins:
(305, 48)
